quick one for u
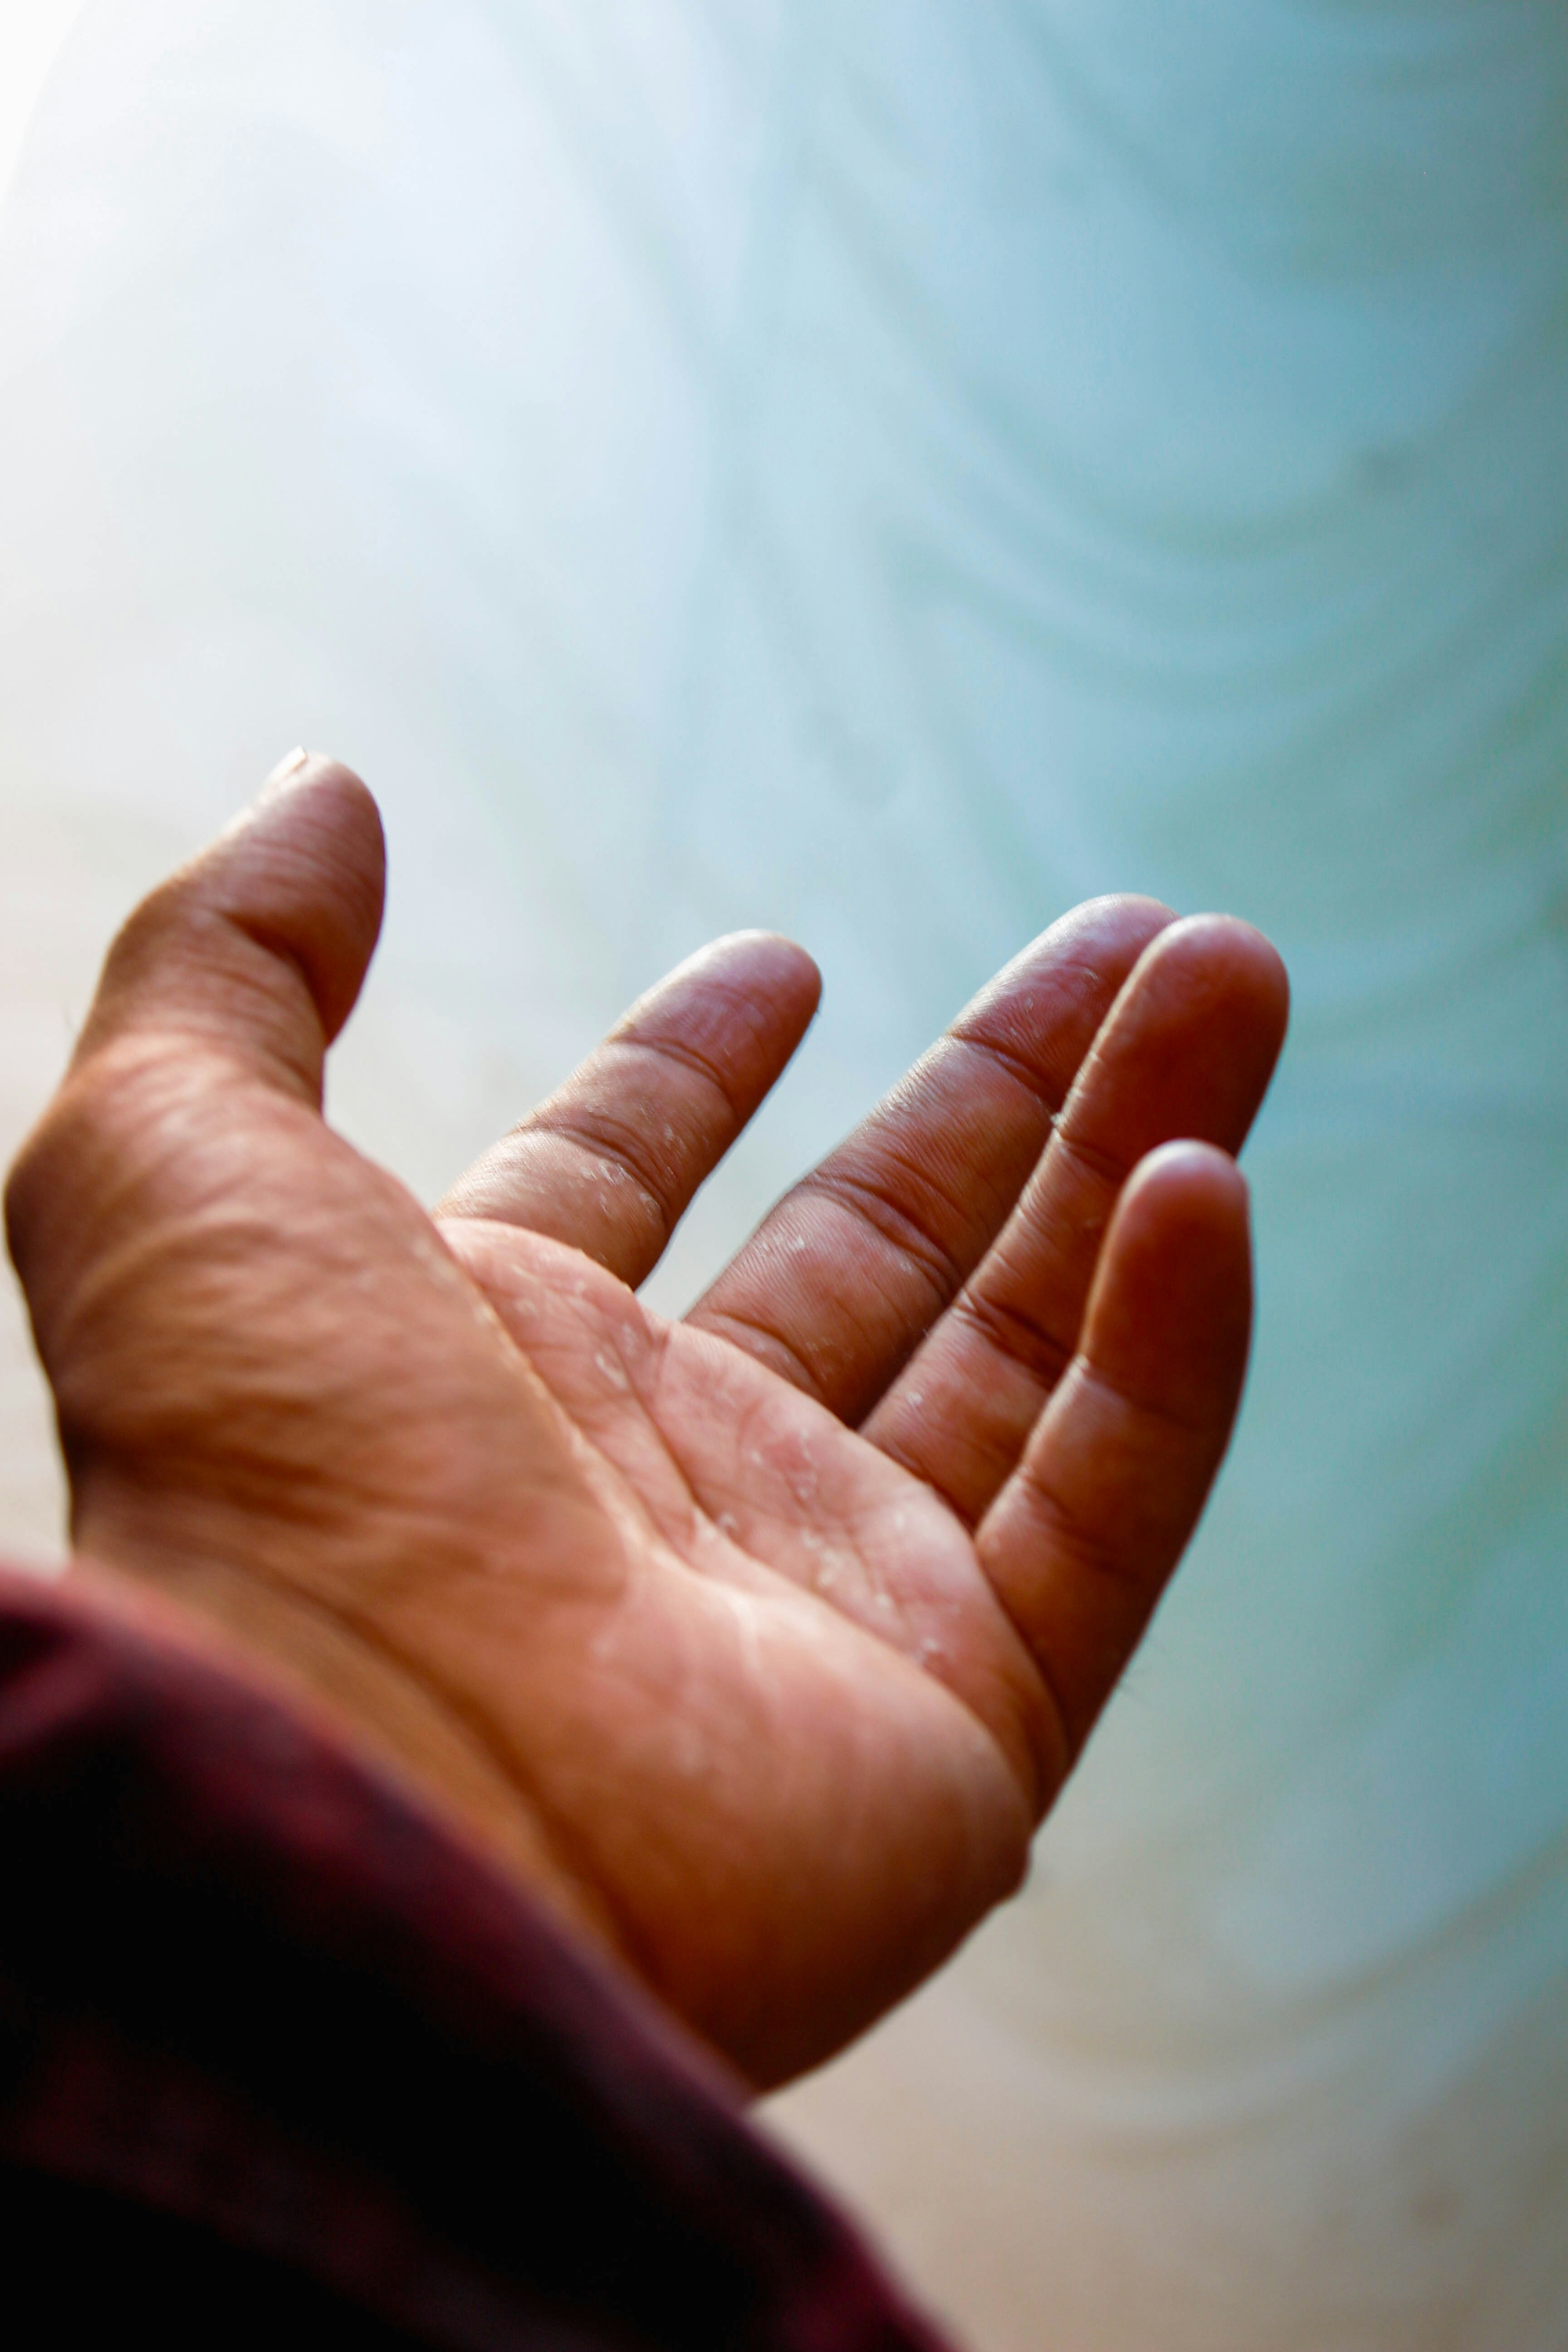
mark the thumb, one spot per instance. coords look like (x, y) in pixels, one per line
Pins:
(260, 945)
(243, 965)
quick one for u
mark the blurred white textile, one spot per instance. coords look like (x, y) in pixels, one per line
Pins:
(887, 471)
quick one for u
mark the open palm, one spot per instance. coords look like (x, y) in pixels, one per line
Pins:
(758, 1642)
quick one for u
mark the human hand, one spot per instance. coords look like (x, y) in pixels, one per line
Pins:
(757, 1642)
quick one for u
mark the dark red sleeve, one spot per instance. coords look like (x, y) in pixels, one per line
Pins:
(279, 2057)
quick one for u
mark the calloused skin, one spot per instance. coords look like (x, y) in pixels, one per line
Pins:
(756, 1643)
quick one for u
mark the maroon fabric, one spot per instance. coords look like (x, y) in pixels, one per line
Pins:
(276, 2050)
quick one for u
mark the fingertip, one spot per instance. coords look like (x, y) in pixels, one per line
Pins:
(750, 995)
(1229, 958)
(303, 871)
(1185, 1204)
(781, 967)
(1256, 960)
(1121, 915)
(304, 774)
(765, 964)
(1045, 1007)
(1190, 1044)
(281, 778)
(311, 795)
(265, 936)
(1105, 936)
(1170, 1316)
(1187, 1179)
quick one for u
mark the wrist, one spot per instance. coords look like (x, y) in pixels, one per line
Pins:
(270, 1630)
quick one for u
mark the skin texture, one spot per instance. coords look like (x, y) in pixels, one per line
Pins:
(757, 1644)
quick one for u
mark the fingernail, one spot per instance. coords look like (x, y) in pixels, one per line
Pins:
(284, 775)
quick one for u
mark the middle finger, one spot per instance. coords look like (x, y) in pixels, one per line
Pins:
(1188, 1052)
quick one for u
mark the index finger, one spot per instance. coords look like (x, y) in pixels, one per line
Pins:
(611, 1160)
